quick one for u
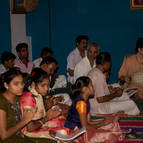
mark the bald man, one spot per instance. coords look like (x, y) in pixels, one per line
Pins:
(88, 62)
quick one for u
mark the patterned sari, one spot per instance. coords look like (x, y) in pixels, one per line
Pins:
(34, 100)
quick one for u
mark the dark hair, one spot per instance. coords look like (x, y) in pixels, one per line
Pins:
(37, 76)
(48, 60)
(26, 80)
(81, 37)
(76, 88)
(8, 77)
(6, 56)
(20, 46)
(139, 44)
(102, 58)
(45, 51)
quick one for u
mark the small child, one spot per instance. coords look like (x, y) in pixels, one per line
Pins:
(104, 130)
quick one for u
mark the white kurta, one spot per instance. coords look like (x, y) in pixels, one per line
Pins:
(73, 58)
(37, 62)
(2, 69)
(82, 68)
(112, 106)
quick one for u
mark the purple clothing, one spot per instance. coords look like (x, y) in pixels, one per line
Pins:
(23, 67)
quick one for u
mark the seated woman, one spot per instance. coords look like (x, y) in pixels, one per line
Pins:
(103, 130)
(11, 122)
(38, 85)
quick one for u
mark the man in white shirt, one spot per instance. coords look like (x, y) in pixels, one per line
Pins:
(76, 55)
(44, 53)
(7, 60)
(88, 62)
(104, 101)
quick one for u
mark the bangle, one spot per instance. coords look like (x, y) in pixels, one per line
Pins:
(41, 122)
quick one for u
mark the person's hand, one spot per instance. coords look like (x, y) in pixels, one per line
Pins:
(53, 113)
(28, 114)
(64, 108)
(119, 92)
(58, 99)
(51, 101)
(113, 90)
(71, 72)
(108, 120)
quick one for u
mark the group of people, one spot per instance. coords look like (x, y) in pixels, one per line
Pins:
(96, 65)
(28, 112)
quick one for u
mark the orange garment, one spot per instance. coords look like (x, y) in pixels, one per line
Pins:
(81, 107)
(130, 65)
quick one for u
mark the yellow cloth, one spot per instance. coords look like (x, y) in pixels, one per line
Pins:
(81, 107)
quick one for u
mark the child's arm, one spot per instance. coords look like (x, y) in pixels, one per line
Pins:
(84, 122)
(85, 119)
(81, 108)
(102, 122)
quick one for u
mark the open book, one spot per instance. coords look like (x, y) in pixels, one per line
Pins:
(70, 137)
(132, 92)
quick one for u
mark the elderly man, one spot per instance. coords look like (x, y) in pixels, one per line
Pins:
(88, 62)
(104, 101)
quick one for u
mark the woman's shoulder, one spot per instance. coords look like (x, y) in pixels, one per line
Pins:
(26, 94)
(3, 102)
(27, 99)
(2, 98)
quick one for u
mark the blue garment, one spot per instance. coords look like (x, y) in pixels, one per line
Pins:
(73, 118)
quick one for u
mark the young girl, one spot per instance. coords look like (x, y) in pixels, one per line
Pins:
(38, 85)
(10, 114)
(79, 116)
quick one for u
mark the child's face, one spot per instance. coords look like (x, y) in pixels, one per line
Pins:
(15, 86)
(43, 87)
(91, 89)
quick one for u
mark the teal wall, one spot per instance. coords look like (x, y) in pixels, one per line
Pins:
(110, 23)
(5, 36)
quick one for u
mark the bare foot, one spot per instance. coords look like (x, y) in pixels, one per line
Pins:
(52, 133)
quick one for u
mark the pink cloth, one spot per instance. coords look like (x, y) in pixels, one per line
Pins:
(23, 67)
(27, 99)
(59, 125)
(106, 134)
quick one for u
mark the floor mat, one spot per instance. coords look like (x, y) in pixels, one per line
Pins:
(127, 122)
